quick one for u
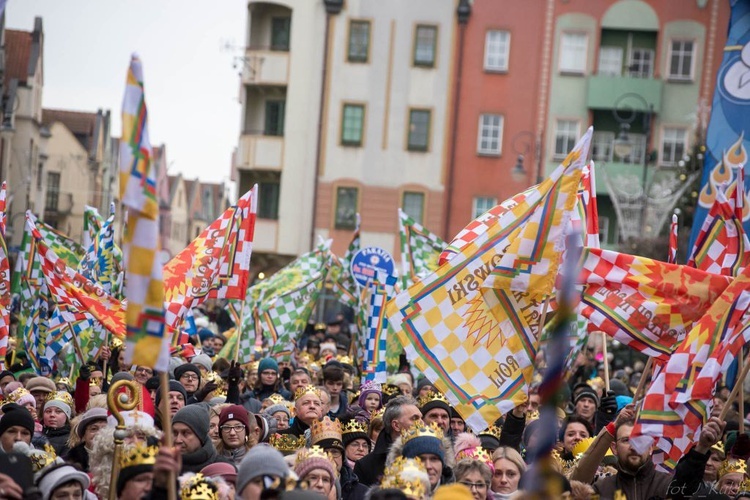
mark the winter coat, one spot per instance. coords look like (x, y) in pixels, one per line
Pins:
(370, 468)
(512, 431)
(646, 484)
(233, 456)
(58, 439)
(343, 407)
(79, 455)
(351, 488)
(203, 456)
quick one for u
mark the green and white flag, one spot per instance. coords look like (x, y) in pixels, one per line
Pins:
(420, 250)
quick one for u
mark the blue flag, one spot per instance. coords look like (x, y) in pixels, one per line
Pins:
(728, 135)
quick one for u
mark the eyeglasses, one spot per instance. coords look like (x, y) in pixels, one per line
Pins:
(189, 376)
(334, 452)
(471, 486)
(268, 372)
(230, 428)
(361, 446)
(143, 369)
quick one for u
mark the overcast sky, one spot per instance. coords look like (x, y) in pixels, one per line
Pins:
(191, 86)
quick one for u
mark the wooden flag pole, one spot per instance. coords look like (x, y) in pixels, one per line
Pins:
(642, 384)
(238, 333)
(735, 391)
(740, 382)
(606, 361)
(166, 425)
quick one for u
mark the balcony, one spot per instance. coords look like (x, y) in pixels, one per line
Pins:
(265, 67)
(266, 234)
(260, 152)
(604, 91)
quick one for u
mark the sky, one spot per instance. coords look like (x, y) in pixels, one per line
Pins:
(192, 89)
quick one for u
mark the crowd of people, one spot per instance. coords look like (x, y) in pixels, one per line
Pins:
(309, 428)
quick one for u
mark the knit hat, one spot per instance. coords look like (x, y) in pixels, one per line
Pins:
(202, 360)
(353, 430)
(6, 373)
(369, 388)
(88, 418)
(187, 367)
(56, 477)
(205, 334)
(422, 383)
(224, 470)
(41, 384)
(260, 460)
(22, 397)
(174, 386)
(277, 408)
(58, 402)
(235, 412)
(14, 414)
(433, 400)
(420, 440)
(309, 459)
(456, 491)
(587, 392)
(268, 364)
(196, 417)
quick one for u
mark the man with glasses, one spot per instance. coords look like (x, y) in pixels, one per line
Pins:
(190, 377)
(142, 374)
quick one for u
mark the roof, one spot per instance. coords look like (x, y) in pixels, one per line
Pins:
(17, 52)
(80, 123)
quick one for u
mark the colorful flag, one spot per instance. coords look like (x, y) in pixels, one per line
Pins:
(420, 250)
(344, 286)
(5, 297)
(726, 145)
(77, 298)
(380, 290)
(722, 246)
(481, 360)
(103, 260)
(672, 257)
(35, 330)
(587, 198)
(680, 398)
(215, 264)
(643, 303)
(92, 224)
(147, 344)
(2, 208)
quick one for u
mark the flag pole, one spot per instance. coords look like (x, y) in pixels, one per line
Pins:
(239, 333)
(739, 382)
(735, 391)
(166, 425)
(606, 361)
(642, 384)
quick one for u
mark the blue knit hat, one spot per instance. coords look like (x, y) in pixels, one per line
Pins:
(424, 444)
(268, 364)
(205, 333)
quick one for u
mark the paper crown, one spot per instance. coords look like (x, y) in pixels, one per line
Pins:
(287, 443)
(532, 415)
(719, 446)
(492, 431)
(352, 427)
(140, 454)
(278, 399)
(314, 452)
(475, 454)
(378, 414)
(199, 488)
(214, 377)
(432, 397)
(42, 458)
(420, 429)
(308, 389)
(63, 396)
(325, 429)
(14, 396)
(64, 380)
(732, 465)
(115, 343)
(345, 360)
(400, 475)
(391, 390)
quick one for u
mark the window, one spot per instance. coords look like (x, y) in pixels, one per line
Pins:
(268, 200)
(425, 42)
(604, 230)
(359, 41)
(638, 153)
(610, 61)
(566, 135)
(352, 123)
(673, 145)
(280, 31)
(53, 191)
(419, 129)
(481, 204)
(573, 47)
(490, 133)
(413, 205)
(681, 60)
(602, 146)
(275, 118)
(346, 207)
(496, 50)
(641, 63)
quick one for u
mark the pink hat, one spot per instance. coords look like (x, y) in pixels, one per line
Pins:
(223, 470)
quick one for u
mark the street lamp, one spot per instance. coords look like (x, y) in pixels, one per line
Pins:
(525, 143)
(518, 173)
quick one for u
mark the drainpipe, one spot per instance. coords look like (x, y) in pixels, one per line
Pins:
(462, 12)
(333, 7)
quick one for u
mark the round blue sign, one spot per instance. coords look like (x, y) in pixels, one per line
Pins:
(366, 264)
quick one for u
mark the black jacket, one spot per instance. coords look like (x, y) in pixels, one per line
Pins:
(512, 431)
(297, 428)
(203, 456)
(78, 455)
(351, 489)
(343, 407)
(58, 439)
(370, 468)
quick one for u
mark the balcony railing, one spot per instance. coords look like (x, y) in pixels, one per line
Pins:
(261, 152)
(265, 66)
(604, 91)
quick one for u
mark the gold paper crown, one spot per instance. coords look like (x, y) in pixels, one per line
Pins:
(378, 414)
(325, 429)
(314, 452)
(345, 360)
(116, 343)
(308, 389)
(287, 443)
(304, 355)
(474, 454)
(532, 415)
(199, 488)
(565, 465)
(420, 429)
(493, 431)
(394, 477)
(140, 454)
(64, 380)
(719, 446)
(42, 458)
(431, 396)
(352, 427)
(390, 390)
(731, 466)
(63, 396)
(14, 396)
(213, 377)
(278, 399)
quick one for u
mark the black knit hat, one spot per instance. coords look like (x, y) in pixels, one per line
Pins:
(187, 367)
(13, 415)
(174, 386)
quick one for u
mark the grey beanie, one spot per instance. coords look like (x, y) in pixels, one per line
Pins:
(277, 408)
(260, 460)
(202, 360)
(196, 417)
